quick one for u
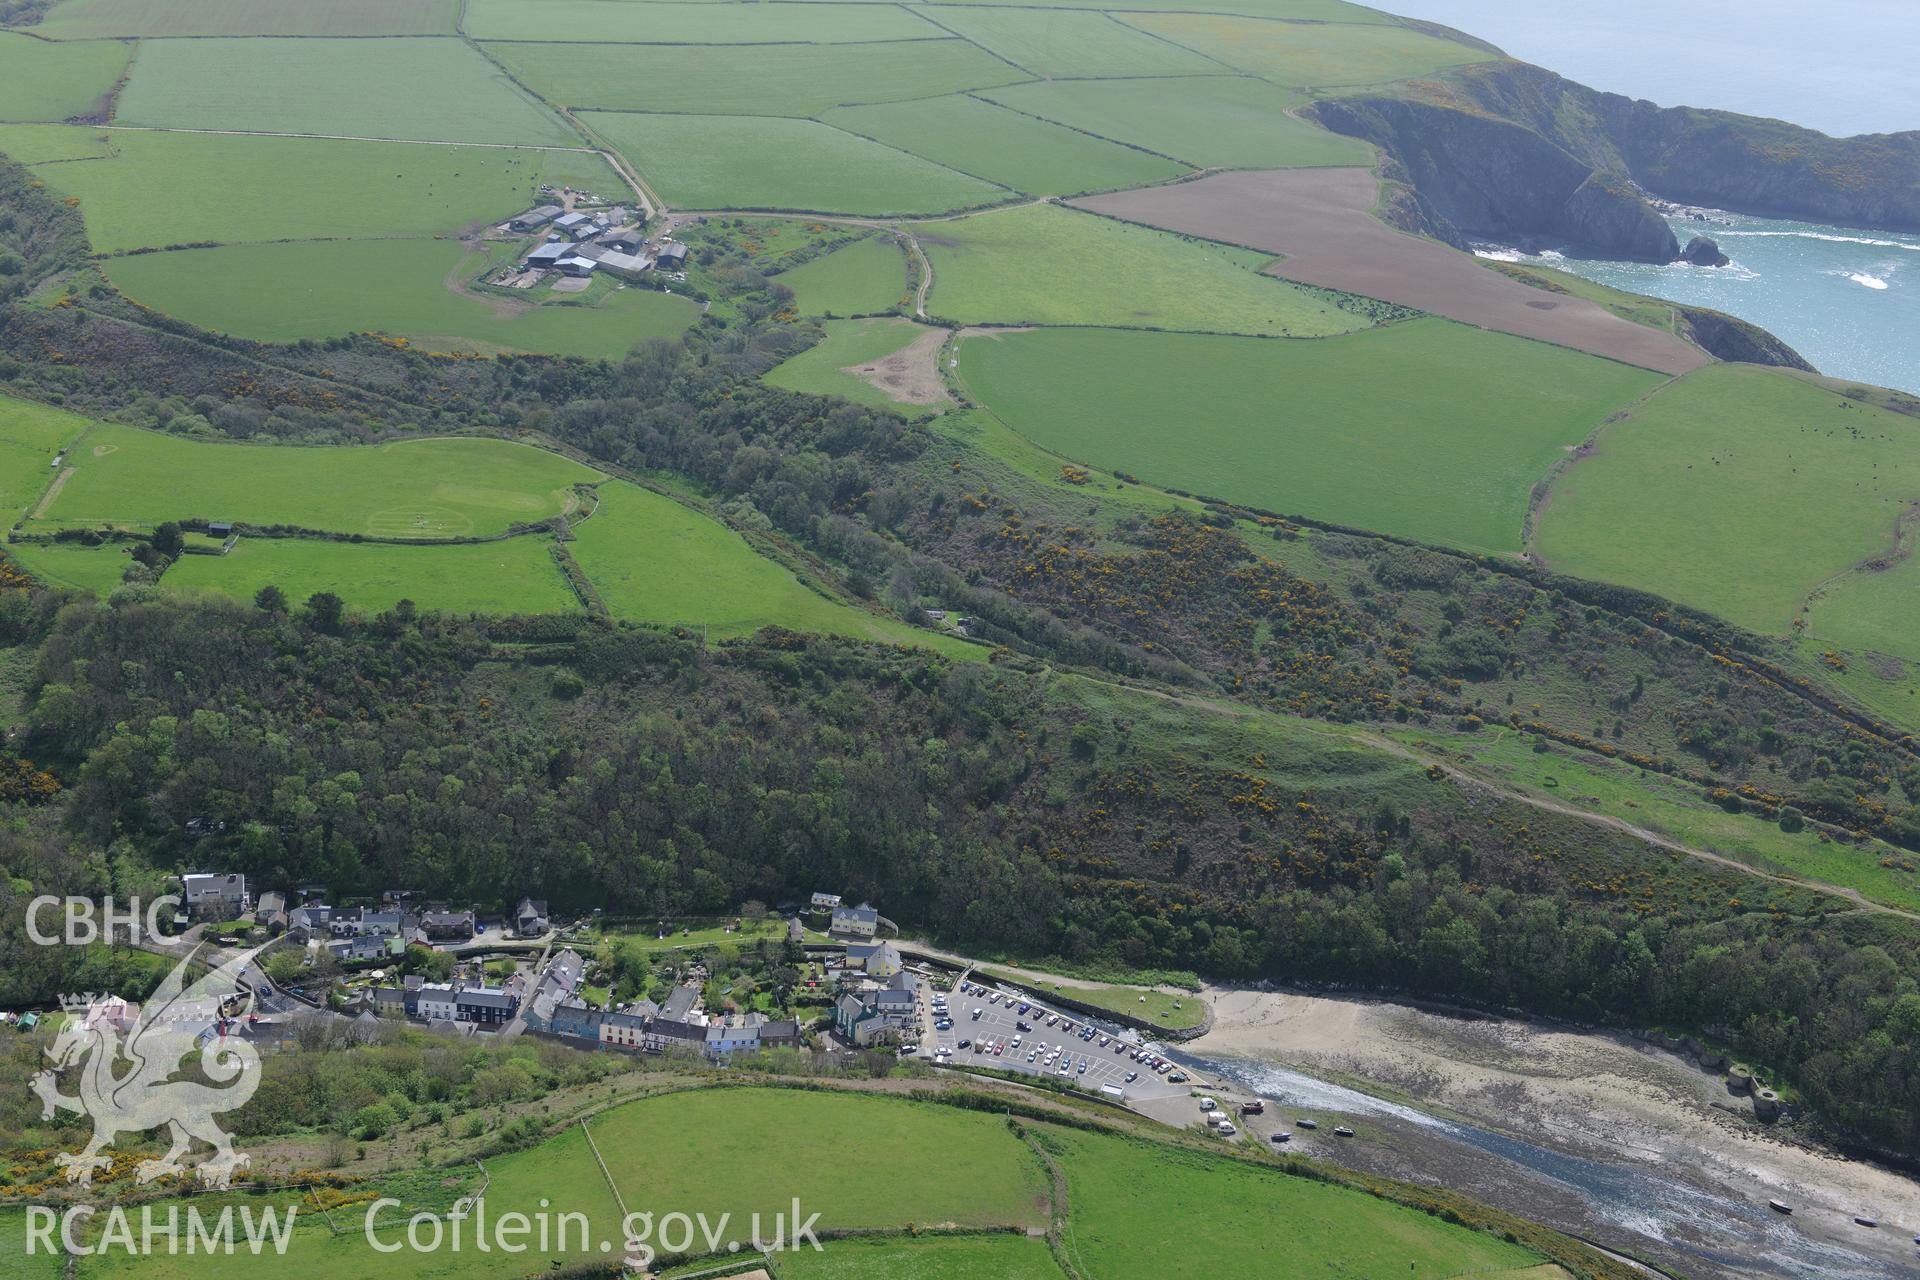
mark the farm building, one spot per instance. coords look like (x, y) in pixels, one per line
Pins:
(534, 219)
(575, 266)
(619, 241)
(625, 264)
(574, 224)
(548, 255)
(672, 257)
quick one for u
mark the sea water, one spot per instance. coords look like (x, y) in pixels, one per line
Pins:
(1847, 300)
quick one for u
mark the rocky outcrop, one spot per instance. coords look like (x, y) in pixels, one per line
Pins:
(1727, 337)
(1704, 251)
(1715, 158)
(1488, 177)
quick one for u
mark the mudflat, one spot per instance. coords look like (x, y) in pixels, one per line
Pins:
(1320, 220)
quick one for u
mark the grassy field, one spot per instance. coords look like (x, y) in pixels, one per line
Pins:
(31, 435)
(1163, 1009)
(1737, 489)
(1070, 43)
(598, 21)
(1874, 611)
(1238, 1219)
(1673, 809)
(744, 162)
(75, 19)
(646, 939)
(1455, 427)
(95, 569)
(50, 82)
(654, 560)
(324, 288)
(1309, 55)
(17, 1264)
(1205, 121)
(765, 80)
(1651, 312)
(439, 90)
(971, 1257)
(711, 1149)
(154, 190)
(435, 488)
(849, 342)
(1045, 264)
(866, 276)
(1004, 146)
(513, 576)
(32, 144)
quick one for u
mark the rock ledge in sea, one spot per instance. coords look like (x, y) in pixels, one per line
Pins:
(1704, 251)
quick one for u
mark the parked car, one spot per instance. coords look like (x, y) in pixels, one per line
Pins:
(1132, 1076)
(1226, 1129)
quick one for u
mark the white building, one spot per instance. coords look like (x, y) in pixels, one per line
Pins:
(438, 1002)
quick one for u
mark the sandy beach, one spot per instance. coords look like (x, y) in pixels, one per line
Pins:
(1608, 1098)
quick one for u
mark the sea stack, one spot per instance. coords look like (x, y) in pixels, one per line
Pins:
(1704, 251)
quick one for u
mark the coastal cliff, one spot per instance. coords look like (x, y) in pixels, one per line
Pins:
(1510, 151)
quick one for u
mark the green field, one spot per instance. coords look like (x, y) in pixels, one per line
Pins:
(601, 21)
(516, 575)
(154, 191)
(50, 82)
(31, 435)
(325, 288)
(1673, 809)
(654, 560)
(1309, 55)
(435, 488)
(1240, 1220)
(1211, 121)
(1072, 43)
(849, 342)
(868, 1162)
(1015, 150)
(1874, 611)
(95, 569)
(1045, 264)
(766, 80)
(1163, 1009)
(74, 19)
(963, 1257)
(440, 90)
(1307, 10)
(864, 277)
(1454, 428)
(744, 162)
(1738, 489)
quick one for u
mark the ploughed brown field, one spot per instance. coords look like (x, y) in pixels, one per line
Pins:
(1321, 220)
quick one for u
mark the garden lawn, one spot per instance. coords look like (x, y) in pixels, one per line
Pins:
(849, 342)
(74, 19)
(1425, 429)
(1072, 43)
(432, 488)
(599, 21)
(513, 576)
(726, 1150)
(154, 191)
(1019, 151)
(746, 162)
(1206, 121)
(768, 80)
(284, 292)
(1309, 55)
(861, 278)
(654, 560)
(1237, 1219)
(31, 436)
(440, 90)
(1736, 490)
(50, 82)
(1044, 264)
(998, 1256)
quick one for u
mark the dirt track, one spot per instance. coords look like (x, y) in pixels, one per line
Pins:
(910, 375)
(1320, 219)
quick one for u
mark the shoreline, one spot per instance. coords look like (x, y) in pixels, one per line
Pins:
(1620, 1110)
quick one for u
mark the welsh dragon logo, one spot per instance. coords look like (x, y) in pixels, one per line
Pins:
(177, 1024)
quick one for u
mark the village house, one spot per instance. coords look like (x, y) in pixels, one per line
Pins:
(576, 1019)
(665, 1035)
(876, 960)
(855, 922)
(271, 912)
(448, 926)
(727, 1037)
(825, 901)
(879, 1015)
(623, 1029)
(680, 1003)
(530, 917)
(216, 895)
(485, 1006)
(780, 1033)
(390, 1002)
(310, 921)
(437, 1003)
